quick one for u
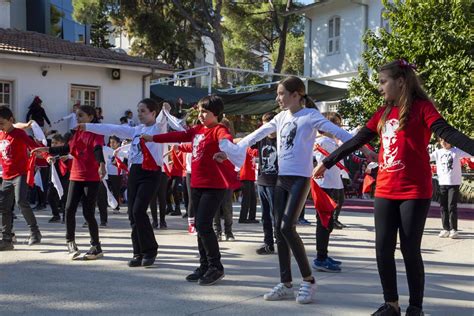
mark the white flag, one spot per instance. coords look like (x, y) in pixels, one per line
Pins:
(56, 182)
(110, 197)
(38, 181)
(38, 133)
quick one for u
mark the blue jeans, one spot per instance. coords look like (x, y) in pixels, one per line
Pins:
(266, 194)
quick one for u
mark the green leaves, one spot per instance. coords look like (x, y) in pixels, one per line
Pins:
(437, 36)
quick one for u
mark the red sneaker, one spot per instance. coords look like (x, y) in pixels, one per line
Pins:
(191, 229)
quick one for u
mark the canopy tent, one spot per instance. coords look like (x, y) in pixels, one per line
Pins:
(247, 103)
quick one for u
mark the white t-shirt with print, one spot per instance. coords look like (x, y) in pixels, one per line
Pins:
(332, 177)
(448, 165)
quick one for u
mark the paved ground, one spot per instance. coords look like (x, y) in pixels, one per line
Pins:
(40, 280)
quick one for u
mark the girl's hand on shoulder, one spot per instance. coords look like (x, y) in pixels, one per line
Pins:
(318, 171)
(146, 137)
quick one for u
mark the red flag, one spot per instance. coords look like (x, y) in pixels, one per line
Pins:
(166, 169)
(326, 153)
(228, 173)
(323, 204)
(149, 162)
(468, 162)
(120, 165)
(64, 166)
(367, 185)
(30, 171)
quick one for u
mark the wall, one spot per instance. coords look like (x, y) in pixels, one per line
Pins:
(115, 96)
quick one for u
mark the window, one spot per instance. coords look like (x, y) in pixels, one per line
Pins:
(333, 106)
(84, 95)
(6, 93)
(384, 22)
(334, 27)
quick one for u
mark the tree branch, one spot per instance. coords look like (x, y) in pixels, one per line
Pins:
(191, 20)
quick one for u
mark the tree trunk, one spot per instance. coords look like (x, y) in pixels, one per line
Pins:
(282, 47)
(220, 58)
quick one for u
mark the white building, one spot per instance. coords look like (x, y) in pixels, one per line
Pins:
(63, 73)
(333, 37)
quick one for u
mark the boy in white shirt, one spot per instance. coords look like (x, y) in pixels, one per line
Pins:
(448, 167)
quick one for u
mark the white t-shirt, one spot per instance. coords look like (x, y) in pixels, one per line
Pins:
(332, 177)
(71, 120)
(295, 138)
(448, 165)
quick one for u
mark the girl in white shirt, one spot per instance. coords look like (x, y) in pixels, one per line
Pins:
(296, 127)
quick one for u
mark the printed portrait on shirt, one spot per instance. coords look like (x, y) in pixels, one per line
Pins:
(5, 149)
(135, 148)
(390, 147)
(198, 146)
(269, 158)
(287, 140)
(447, 162)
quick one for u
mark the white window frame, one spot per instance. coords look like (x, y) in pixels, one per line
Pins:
(84, 95)
(4, 83)
(334, 35)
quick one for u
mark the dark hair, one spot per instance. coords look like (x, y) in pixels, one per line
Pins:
(58, 138)
(151, 105)
(230, 126)
(267, 117)
(67, 137)
(127, 112)
(89, 110)
(411, 91)
(36, 102)
(214, 104)
(295, 84)
(333, 117)
(115, 138)
(5, 112)
(123, 119)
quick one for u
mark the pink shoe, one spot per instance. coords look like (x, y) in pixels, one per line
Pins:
(192, 229)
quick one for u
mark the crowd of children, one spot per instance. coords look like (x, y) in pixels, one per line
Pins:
(159, 163)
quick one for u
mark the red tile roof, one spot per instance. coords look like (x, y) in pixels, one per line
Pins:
(13, 41)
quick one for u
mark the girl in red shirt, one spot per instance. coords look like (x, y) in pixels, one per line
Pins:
(208, 183)
(403, 188)
(88, 168)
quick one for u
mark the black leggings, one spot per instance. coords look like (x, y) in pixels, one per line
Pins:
(190, 209)
(85, 192)
(407, 217)
(141, 186)
(172, 190)
(290, 196)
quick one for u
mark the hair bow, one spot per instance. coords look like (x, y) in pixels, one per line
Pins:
(404, 64)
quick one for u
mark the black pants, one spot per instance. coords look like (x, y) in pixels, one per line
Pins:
(290, 195)
(448, 200)
(58, 205)
(43, 194)
(266, 194)
(13, 190)
(339, 199)
(174, 190)
(248, 207)
(189, 209)
(206, 203)
(115, 183)
(406, 217)
(85, 192)
(159, 199)
(322, 233)
(141, 185)
(102, 203)
(224, 211)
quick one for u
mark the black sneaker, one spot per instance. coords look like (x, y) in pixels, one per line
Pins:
(103, 225)
(154, 225)
(148, 260)
(39, 207)
(196, 275)
(229, 237)
(55, 219)
(6, 245)
(253, 221)
(265, 250)
(95, 252)
(73, 250)
(185, 215)
(211, 277)
(136, 261)
(85, 225)
(338, 225)
(163, 225)
(414, 311)
(387, 310)
(35, 238)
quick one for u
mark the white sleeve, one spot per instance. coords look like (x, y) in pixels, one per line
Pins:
(320, 123)
(161, 122)
(235, 152)
(259, 134)
(462, 154)
(70, 115)
(172, 121)
(433, 156)
(122, 131)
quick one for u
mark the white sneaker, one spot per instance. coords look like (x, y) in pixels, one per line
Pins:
(453, 234)
(306, 293)
(443, 234)
(279, 292)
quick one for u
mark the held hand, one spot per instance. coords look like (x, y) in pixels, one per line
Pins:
(64, 158)
(318, 171)
(220, 157)
(146, 137)
(102, 171)
(50, 160)
(80, 127)
(166, 106)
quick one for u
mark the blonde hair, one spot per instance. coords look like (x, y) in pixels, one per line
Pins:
(411, 91)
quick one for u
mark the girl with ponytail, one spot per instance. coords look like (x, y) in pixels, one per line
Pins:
(403, 191)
